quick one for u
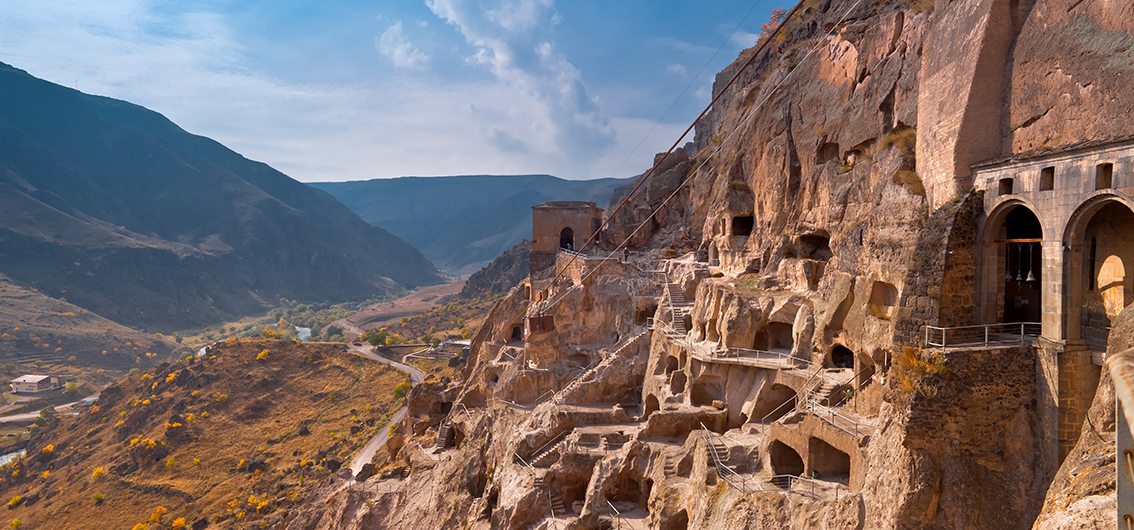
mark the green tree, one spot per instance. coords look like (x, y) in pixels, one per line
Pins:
(72, 387)
(401, 390)
(377, 339)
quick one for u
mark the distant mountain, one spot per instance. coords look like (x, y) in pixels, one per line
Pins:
(119, 211)
(462, 223)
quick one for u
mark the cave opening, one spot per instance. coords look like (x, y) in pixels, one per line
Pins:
(842, 357)
(785, 461)
(742, 225)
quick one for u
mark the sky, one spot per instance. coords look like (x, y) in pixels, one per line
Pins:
(336, 91)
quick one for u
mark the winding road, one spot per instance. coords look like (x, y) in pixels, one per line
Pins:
(416, 377)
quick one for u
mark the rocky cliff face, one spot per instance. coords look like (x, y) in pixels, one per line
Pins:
(789, 261)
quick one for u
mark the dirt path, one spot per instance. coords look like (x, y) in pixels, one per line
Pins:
(379, 315)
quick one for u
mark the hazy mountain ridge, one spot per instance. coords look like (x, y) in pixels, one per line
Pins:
(463, 222)
(122, 212)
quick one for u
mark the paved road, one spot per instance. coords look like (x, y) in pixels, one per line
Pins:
(27, 416)
(416, 377)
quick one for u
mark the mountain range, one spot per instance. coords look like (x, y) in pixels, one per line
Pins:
(462, 222)
(119, 211)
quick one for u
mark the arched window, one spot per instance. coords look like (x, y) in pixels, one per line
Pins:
(567, 239)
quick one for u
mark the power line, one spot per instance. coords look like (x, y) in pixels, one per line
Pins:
(687, 87)
(551, 303)
(719, 95)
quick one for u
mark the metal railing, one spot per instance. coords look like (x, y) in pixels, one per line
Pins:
(760, 355)
(550, 444)
(617, 515)
(774, 483)
(466, 411)
(980, 335)
(829, 415)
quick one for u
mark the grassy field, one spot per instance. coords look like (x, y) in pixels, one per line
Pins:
(236, 438)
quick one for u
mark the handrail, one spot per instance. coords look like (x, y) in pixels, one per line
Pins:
(829, 415)
(553, 440)
(737, 353)
(617, 514)
(425, 454)
(730, 476)
(988, 334)
(464, 408)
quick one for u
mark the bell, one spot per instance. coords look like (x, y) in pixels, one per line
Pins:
(1031, 277)
(1020, 277)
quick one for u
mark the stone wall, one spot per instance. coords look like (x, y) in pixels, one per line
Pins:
(972, 408)
(940, 288)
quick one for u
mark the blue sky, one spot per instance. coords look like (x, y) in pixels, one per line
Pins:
(332, 91)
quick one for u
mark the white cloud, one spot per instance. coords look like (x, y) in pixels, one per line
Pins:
(678, 69)
(743, 39)
(510, 40)
(535, 116)
(396, 46)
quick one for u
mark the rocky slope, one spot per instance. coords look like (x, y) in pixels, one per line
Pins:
(789, 263)
(123, 213)
(231, 440)
(501, 274)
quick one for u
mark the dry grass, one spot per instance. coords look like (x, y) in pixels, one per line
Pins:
(35, 327)
(226, 449)
(435, 368)
(912, 366)
(911, 180)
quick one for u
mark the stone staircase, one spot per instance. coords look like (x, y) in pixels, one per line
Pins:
(443, 434)
(670, 466)
(555, 500)
(550, 455)
(823, 394)
(676, 294)
(589, 374)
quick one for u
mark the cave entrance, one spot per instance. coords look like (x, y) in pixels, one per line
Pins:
(1022, 265)
(677, 382)
(842, 357)
(652, 406)
(785, 461)
(517, 334)
(742, 225)
(814, 247)
(828, 462)
(706, 389)
(772, 405)
(567, 238)
(776, 337)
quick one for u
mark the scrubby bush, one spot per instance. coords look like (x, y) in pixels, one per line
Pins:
(401, 390)
(98, 498)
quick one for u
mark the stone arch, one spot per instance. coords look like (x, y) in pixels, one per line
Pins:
(785, 461)
(670, 364)
(1098, 262)
(706, 389)
(567, 238)
(1013, 259)
(652, 406)
(842, 357)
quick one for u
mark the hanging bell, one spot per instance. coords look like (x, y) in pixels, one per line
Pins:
(1019, 262)
(1031, 265)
